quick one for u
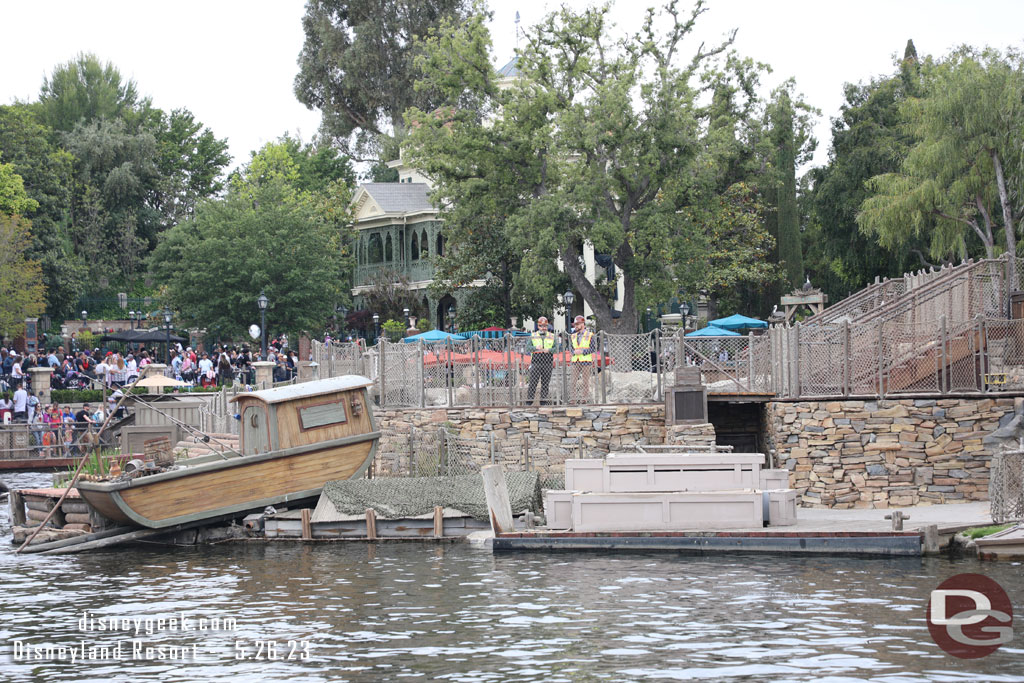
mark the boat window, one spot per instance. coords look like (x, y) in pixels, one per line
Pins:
(323, 415)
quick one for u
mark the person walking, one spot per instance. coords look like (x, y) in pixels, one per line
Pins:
(582, 341)
(541, 361)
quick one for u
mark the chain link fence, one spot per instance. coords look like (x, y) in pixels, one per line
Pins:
(1006, 486)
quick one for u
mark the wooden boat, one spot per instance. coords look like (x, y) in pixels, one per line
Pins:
(293, 440)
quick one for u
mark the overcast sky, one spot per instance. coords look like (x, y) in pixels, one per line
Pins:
(233, 63)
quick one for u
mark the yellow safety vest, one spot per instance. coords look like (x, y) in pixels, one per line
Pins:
(581, 347)
(543, 341)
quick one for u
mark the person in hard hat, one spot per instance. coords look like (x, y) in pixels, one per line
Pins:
(581, 341)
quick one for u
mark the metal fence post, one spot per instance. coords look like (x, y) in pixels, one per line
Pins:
(509, 373)
(603, 367)
(449, 373)
(566, 351)
(380, 369)
(474, 342)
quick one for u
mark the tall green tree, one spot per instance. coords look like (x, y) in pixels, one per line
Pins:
(46, 170)
(356, 65)
(960, 184)
(868, 139)
(22, 293)
(792, 145)
(267, 234)
(84, 90)
(591, 134)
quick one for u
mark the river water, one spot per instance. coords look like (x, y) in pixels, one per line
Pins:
(409, 610)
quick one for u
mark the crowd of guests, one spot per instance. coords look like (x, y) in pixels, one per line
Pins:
(56, 430)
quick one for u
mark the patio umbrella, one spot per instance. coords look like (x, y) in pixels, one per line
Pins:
(710, 331)
(737, 322)
(160, 381)
(431, 336)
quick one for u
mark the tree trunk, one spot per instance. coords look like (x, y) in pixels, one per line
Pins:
(1009, 227)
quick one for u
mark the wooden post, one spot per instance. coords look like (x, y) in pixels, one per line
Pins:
(17, 502)
(438, 521)
(307, 528)
(371, 524)
(881, 361)
(796, 361)
(750, 362)
(847, 374)
(496, 493)
(423, 381)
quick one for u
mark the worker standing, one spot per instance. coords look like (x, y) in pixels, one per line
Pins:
(582, 341)
(541, 361)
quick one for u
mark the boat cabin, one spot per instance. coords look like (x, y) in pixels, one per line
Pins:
(304, 414)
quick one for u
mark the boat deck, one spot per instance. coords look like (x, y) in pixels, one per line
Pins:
(817, 531)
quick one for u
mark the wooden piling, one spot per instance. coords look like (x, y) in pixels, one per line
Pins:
(438, 521)
(17, 502)
(371, 524)
(307, 528)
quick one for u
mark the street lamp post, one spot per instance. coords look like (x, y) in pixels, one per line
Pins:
(451, 318)
(376, 327)
(647, 320)
(342, 312)
(262, 302)
(167, 330)
(405, 312)
(568, 298)
(131, 320)
(84, 318)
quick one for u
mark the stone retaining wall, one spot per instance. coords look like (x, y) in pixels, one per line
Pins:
(877, 454)
(554, 433)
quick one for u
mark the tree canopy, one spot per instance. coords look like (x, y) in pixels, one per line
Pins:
(583, 147)
(356, 65)
(267, 234)
(960, 184)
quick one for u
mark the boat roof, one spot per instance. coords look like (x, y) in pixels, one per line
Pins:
(317, 387)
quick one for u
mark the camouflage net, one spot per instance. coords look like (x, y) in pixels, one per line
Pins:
(400, 497)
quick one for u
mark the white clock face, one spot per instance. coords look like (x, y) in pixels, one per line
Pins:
(254, 331)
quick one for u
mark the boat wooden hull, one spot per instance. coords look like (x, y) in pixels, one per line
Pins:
(235, 485)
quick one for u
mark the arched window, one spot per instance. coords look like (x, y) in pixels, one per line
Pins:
(388, 252)
(440, 245)
(424, 245)
(415, 251)
(376, 252)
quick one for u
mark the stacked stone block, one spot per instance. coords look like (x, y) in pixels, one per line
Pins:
(887, 453)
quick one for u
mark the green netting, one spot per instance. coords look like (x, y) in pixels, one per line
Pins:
(398, 497)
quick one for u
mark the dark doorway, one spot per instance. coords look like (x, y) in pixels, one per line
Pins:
(740, 425)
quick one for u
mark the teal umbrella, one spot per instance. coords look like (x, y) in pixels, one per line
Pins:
(714, 332)
(738, 322)
(431, 336)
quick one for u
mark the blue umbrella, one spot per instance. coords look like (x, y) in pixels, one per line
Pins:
(714, 332)
(738, 322)
(431, 336)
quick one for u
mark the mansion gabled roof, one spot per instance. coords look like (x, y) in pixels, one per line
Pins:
(399, 197)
